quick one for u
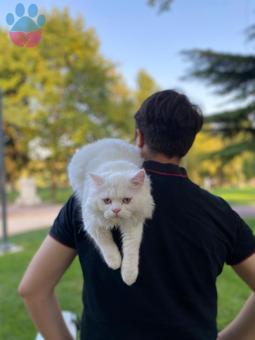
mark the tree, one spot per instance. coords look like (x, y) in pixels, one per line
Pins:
(124, 102)
(249, 165)
(16, 155)
(145, 86)
(77, 89)
(203, 144)
(60, 94)
(229, 74)
(164, 5)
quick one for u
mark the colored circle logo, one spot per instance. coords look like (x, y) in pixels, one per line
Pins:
(26, 30)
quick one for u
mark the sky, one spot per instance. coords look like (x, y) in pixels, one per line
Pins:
(134, 36)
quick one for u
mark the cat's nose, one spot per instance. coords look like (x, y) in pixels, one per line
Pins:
(116, 211)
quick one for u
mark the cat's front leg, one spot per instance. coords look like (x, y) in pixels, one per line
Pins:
(107, 246)
(131, 241)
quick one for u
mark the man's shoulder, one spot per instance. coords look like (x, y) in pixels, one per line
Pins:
(72, 202)
(72, 208)
(207, 196)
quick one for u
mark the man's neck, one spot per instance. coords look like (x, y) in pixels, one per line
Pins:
(163, 159)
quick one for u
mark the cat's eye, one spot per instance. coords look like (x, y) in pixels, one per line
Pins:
(126, 200)
(107, 200)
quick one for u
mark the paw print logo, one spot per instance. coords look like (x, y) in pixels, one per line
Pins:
(27, 30)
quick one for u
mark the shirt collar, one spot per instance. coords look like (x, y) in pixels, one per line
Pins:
(165, 169)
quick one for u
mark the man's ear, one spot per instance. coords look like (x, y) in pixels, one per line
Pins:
(139, 138)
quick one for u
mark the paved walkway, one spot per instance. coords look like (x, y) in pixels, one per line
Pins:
(246, 211)
(21, 219)
(24, 218)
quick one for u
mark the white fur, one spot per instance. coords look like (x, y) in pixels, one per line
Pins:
(111, 168)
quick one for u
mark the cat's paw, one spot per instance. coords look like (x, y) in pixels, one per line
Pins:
(129, 274)
(113, 260)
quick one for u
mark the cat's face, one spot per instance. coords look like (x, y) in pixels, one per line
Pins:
(117, 196)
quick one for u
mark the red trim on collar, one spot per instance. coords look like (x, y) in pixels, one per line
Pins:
(166, 173)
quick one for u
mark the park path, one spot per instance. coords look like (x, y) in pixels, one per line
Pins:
(25, 218)
(245, 210)
(21, 219)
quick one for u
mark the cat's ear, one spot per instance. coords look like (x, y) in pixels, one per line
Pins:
(138, 179)
(98, 180)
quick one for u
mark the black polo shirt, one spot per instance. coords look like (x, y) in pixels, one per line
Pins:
(184, 247)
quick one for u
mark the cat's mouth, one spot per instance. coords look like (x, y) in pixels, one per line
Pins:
(116, 216)
(112, 216)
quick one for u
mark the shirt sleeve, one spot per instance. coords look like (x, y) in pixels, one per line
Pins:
(244, 241)
(63, 228)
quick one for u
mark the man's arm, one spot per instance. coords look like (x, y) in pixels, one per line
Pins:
(37, 288)
(243, 326)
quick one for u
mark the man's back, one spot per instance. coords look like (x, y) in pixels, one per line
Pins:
(185, 245)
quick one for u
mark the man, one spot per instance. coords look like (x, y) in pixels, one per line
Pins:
(192, 234)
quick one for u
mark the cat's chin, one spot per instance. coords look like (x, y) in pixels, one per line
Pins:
(114, 221)
(118, 218)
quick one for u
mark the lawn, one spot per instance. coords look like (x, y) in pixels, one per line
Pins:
(232, 291)
(15, 323)
(62, 194)
(237, 196)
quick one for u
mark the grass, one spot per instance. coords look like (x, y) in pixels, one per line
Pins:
(14, 320)
(237, 196)
(232, 291)
(62, 194)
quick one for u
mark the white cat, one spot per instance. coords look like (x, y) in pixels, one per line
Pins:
(114, 190)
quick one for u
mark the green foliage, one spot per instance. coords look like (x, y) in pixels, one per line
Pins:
(145, 86)
(58, 96)
(51, 91)
(232, 150)
(16, 153)
(228, 74)
(249, 166)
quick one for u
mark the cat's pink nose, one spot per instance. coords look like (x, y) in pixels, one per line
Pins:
(116, 211)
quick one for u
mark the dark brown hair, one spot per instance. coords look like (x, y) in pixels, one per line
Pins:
(169, 122)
